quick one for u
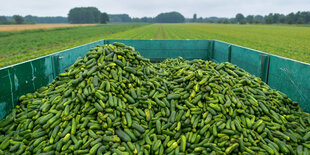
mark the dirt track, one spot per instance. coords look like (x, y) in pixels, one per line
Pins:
(162, 31)
(36, 26)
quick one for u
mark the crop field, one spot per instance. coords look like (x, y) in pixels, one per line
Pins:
(285, 40)
(20, 46)
(36, 26)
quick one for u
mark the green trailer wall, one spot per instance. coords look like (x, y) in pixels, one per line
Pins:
(289, 76)
(286, 75)
(158, 50)
(28, 76)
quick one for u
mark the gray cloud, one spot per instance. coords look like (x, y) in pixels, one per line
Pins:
(140, 8)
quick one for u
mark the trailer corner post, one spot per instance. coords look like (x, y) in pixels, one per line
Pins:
(210, 50)
(229, 53)
(264, 71)
(56, 67)
(106, 41)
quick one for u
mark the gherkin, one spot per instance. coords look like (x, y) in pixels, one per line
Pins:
(115, 101)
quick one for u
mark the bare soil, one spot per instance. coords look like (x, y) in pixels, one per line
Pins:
(36, 26)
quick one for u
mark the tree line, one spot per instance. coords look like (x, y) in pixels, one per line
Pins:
(16, 19)
(119, 18)
(167, 17)
(276, 18)
(90, 15)
(36, 19)
(29, 19)
(83, 15)
(79, 15)
(300, 17)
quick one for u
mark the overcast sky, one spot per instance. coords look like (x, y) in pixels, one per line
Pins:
(150, 8)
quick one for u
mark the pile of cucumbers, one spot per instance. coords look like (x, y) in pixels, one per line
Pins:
(114, 101)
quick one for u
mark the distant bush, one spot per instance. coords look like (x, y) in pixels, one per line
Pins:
(86, 15)
(18, 19)
(170, 17)
(3, 20)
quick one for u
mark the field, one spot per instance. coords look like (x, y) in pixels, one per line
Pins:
(36, 26)
(284, 40)
(20, 46)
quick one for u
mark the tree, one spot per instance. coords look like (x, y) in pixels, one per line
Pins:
(36, 19)
(115, 18)
(144, 19)
(290, 18)
(104, 18)
(240, 18)
(194, 17)
(250, 19)
(269, 19)
(225, 21)
(3, 20)
(276, 18)
(305, 16)
(136, 20)
(282, 19)
(300, 20)
(200, 20)
(170, 17)
(18, 19)
(147, 20)
(83, 15)
(258, 19)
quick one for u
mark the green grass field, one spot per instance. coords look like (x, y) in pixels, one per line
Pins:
(24, 45)
(284, 40)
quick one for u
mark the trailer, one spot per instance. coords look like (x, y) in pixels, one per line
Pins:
(286, 75)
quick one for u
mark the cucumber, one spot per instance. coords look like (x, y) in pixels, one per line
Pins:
(115, 101)
(173, 96)
(124, 137)
(94, 149)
